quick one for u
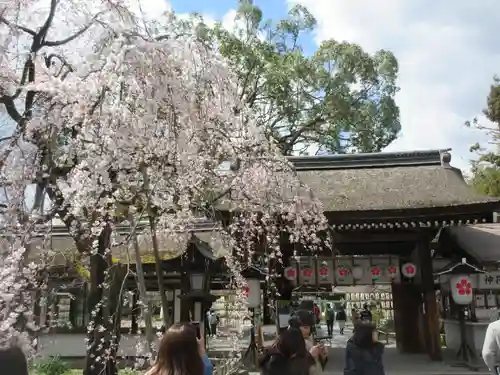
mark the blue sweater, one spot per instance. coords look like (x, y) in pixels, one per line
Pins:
(208, 368)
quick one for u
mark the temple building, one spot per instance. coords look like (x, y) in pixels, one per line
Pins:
(388, 214)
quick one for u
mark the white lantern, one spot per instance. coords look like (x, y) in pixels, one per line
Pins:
(461, 289)
(253, 291)
(290, 273)
(409, 270)
(357, 272)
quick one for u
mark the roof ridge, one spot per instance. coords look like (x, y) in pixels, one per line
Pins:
(371, 160)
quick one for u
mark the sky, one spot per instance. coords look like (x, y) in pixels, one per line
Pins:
(448, 54)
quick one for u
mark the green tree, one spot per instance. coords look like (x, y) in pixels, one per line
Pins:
(486, 170)
(340, 98)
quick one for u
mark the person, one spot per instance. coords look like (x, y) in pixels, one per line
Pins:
(341, 318)
(365, 315)
(181, 353)
(491, 347)
(330, 317)
(363, 354)
(13, 361)
(213, 320)
(317, 313)
(303, 321)
(354, 317)
(288, 355)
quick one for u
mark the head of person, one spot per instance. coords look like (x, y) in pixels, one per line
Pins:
(365, 306)
(365, 336)
(302, 320)
(290, 343)
(13, 361)
(178, 352)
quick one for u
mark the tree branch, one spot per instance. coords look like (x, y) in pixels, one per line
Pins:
(14, 26)
(74, 36)
(10, 106)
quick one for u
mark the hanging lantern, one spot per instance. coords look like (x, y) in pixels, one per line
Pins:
(307, 273)
(342, 273)
(375, 272)
(324, 272)
(290, 273)
(392, 271)
(461, 289)
(409, 270)
(357, 272)
(252, 292)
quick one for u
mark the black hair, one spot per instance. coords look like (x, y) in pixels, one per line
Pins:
(363, 335)
(291, 343)
(13, 361)
(301, 318)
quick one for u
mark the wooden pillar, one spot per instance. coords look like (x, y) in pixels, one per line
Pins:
(431, 311)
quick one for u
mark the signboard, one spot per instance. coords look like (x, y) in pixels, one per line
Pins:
(489, 280)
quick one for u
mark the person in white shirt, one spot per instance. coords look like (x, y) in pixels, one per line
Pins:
(491, 347)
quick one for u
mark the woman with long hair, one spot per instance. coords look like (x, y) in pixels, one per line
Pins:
(363, 355)
(181, 353)
(287, 356)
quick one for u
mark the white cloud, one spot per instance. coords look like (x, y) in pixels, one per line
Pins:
(447, 57)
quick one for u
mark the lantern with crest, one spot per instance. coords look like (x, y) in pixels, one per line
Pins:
(342, 272)
(461, 290)
(290, 273)
(375, 273)
(409, 270)
(392, 271)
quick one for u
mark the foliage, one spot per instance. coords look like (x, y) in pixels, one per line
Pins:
(486, 170)
(340, 99)
(144, 124)
(51, 366)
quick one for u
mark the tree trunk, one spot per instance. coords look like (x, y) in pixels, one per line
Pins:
(146, 305)
(103, 338)
(159, 274)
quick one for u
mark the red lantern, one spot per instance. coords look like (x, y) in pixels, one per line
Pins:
(409, 270)
(375, 272)
(290, 273)
(392, 271)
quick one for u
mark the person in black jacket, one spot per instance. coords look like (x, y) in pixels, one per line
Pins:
(287, 356)
(363, 355)
(341, 318)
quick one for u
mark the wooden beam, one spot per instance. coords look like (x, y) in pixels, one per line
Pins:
(431, 316)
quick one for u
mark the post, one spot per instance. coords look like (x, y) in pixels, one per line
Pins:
(177, 306)
(431, 314)
(198, 315)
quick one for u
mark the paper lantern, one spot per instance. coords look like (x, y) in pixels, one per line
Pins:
(375, 272)
(409, 270)
(357, 272)
(290, 273)
(461, 289)
(252, 291)
(307, 273)
(342, 273)
(324, 272)
(392, 271)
